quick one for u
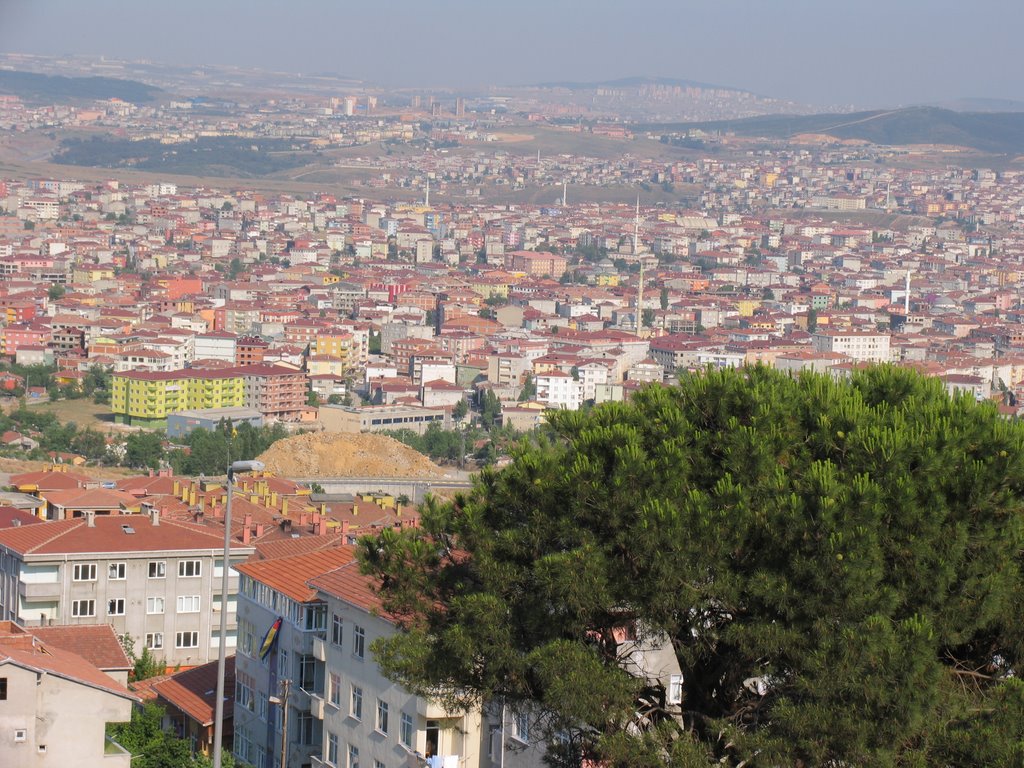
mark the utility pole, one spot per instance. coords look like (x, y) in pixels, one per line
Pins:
(286, 686)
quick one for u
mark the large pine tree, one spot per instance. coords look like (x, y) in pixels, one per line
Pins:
(835, 566)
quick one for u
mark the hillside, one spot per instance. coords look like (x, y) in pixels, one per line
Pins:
(996, 132)
(329, 454)
(31, 86)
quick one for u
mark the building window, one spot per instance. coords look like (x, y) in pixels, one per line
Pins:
(334, 694)
(520, 726)
(356, 710)
(262, 706)
(675, 690)
(186, 640)
(305, 728)
(154, 605)
(358, 642)
(332, 748)
(353, 756)
(282, 664)
(316, 617)
(189, 568)
(116, 571)
(157, 569)
(115, 607)
(307, 673)
(336, 629)
(3, 689)
(405, 730)
(83, 608)
(188, 604)
(154, 640)
(84, 572)
(378, 764)
(382, 716)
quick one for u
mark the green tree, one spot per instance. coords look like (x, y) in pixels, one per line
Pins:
(152, 747)
(529, 390)
(834, 566)
(144, 450)
(55, 292)
(459, 410)
(812, 320)
(663, 298)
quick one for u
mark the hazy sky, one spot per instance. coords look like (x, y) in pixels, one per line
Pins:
(861, 52)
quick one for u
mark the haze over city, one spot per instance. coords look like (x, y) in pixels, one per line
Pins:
(864, 54)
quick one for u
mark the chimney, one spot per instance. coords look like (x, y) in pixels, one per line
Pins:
(344, 528)
(260, 528)
(246, 535)
(154, 516)
(247, 520)
(90, 518)
(16, 523)
(303, 520)
(284, 506)
(315, 517)
(355, 509)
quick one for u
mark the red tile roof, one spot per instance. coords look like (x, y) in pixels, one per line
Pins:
(96, 643)
(109, 535)
(53, 660)
(289, 575)
(194, 691)
(348, 584)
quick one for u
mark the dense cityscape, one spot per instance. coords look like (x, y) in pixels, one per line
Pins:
(569, 424)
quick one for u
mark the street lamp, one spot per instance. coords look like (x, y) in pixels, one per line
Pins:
(238, 467)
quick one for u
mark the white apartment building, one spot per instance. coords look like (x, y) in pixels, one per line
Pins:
(155, 580)
(559, 390)
(859, 346)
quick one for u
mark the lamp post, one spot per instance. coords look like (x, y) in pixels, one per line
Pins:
(218, 717)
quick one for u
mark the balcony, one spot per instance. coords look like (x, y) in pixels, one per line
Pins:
(316, 706)
(320, 648)
(36, 591)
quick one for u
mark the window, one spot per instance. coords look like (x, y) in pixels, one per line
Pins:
(186, 640)
(307, 673)
(157, 569)
(336, 629)
(154, 605)
(154, 640)
(282, 663)
(20, 734)
(244, 697)
(356, 710)
(675, 690)
(188, 604)
(378, 764)
(116, 571)
(3, 689)
(305, 729)
(353, 756)
(358, 642)
(334, 694)
(189, 568)
(84, 572)
(316, 617)
(332, 748)
(115, 607)
(382, 716)
(520, 726)
(405, 730)
(83, 607)
(262, 706)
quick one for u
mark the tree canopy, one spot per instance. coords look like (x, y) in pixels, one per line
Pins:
(834, 567)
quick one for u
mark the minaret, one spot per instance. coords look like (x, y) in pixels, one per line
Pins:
(564, 188)
(906, 297)
(640, 287)
(426, 196)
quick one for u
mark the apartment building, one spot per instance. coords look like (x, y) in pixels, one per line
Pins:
(559, 390)
(270, 590)
(145, 398)
(276, 391)
(860, 346)
(48, 694)
(155, 580)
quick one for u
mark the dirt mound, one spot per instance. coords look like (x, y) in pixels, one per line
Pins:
(332, 454)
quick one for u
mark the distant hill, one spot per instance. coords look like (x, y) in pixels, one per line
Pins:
(32, 86)
(996, 132)
(636, 82)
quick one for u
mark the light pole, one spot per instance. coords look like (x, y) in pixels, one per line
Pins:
(218, 707)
